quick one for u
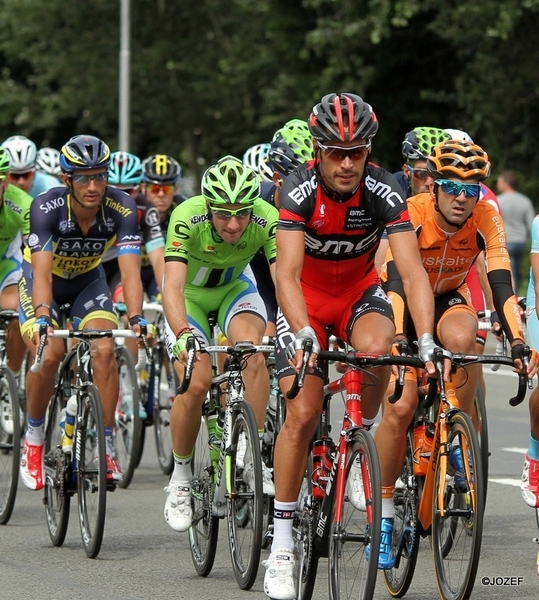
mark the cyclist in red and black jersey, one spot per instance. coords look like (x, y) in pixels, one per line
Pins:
(333, 211)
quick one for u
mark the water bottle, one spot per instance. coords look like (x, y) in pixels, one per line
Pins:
(69, 424)
(215, 434)
(271, 415)
(423, 440)
(126, 393)
(322, 456)
(500, 351)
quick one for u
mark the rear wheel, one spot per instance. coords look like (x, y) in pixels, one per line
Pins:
(354, 529)
(91, 470)
(244, 499)
(405, 534)
(57, 472)
(10, 443)
(204, 528)
(457, 524)
(127, 423)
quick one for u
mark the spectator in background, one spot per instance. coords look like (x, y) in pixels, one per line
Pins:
(518, 213)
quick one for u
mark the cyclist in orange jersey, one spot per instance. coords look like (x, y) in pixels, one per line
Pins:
(452, 229)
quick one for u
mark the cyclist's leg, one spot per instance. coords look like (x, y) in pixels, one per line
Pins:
(370, 328)
(530, 475)
(185, 418)
(456, 326)
(39, 386)
(243, 318)
(10, 274)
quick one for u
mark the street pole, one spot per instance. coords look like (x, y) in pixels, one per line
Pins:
(125, 79)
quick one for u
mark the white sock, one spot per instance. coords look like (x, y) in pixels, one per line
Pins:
(283, 519)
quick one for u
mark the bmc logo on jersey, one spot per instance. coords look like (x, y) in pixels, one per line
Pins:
(303, 190)
(321, 247)
(384, 191)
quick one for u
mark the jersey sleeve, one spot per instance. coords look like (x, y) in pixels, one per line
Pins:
(124, 213)
(41, 224)
(297, 200)
(179, 234)
(149, 224)
(492, 229)
(272, 216)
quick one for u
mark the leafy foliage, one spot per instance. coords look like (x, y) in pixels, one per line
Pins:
(212, 77)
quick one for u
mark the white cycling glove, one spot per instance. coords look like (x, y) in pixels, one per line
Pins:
(304, 334)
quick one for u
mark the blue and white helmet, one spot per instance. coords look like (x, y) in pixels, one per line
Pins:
(125, 169)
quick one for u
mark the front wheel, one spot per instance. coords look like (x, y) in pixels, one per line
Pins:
(457, 524)
(204, 528)
(91, 469)
(57, 472)
(10, 443)
(243, 472)
(481, 425)
(354, 541)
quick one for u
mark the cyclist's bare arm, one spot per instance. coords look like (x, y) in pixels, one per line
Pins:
(42, 285)
(289, 265)
(415, 281)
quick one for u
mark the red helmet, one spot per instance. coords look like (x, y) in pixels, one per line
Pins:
(342, 118)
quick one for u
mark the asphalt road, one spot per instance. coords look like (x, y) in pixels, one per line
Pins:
(142, 558)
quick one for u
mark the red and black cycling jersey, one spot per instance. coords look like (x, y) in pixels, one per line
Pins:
(341, 238)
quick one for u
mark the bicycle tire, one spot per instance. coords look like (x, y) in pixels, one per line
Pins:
(204, 530)
(350, 574)
(456, 537)
(162, 406)
(482, 432)
(127, 423)
(10, 443)
(405, 533)
(307, 555)
(91, 469)
(57, 472)
(244, 502)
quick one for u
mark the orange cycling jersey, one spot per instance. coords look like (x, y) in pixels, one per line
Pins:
(447, 257)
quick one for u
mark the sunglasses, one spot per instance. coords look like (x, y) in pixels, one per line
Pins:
(24, 176)
(85, 179)
(224, 213)
(155, 188)
(455, 188)
(338, 153)
(419, 173)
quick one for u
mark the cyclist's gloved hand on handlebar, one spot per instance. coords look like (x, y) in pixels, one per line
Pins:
(426, 346)
(180, 347)
(525, 360)
(137, 322)
(304, 334)
(39, 323)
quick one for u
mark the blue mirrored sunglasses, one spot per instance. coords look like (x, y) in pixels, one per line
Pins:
(97, 177)
(455, 188)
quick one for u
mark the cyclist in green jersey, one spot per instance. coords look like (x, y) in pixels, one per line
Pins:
(14, 228)
(211, 239)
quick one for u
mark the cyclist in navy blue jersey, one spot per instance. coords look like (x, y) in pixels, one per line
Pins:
(70, 230)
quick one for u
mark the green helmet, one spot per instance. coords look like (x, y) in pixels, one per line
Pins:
(419, 142)
(4, 161)
(291, 130)
(229, 181)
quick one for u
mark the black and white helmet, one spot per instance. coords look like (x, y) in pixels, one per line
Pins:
(22, 153)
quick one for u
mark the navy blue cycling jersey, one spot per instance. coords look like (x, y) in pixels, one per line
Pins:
(54, 228)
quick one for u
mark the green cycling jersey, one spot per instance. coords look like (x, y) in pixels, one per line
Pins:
(212, 262)
(14, 218)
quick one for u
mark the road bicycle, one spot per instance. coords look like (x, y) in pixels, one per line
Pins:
(227, 445)
(80, 468)
(10, 425)
(431, 498)
(327, 524)
(157, 385)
